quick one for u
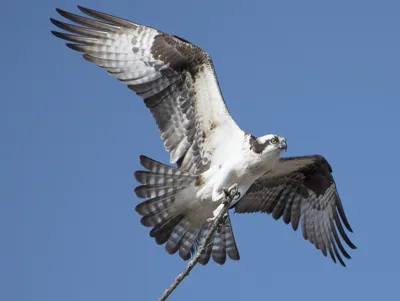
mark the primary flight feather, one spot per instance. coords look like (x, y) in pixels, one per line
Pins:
(178, 84)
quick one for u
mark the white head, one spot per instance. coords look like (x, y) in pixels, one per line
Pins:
(268, 144)
(267, 150)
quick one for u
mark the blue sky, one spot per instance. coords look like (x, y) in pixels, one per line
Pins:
(325, 75)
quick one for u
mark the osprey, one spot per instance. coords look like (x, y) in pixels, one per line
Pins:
(178, 83)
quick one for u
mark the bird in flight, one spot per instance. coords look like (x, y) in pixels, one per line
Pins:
(178, 84)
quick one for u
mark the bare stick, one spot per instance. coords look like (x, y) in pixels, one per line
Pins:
(217, 221)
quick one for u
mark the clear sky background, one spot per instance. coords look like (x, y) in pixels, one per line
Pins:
(325, 74)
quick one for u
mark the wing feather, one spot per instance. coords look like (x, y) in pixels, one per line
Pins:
(303, 190)
(175, 78)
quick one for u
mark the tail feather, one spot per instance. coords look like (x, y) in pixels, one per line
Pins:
(162, 232)
(174, 241)
(160, 184)
(155, 205)
(160, 168)
(218, 251)
(205, 256)
(156, 219)
(150, 178)
(152, 191)
(159, 180)
(223, 244)
(230, 243)
(188, 244)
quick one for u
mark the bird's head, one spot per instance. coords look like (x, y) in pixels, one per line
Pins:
(268, 143)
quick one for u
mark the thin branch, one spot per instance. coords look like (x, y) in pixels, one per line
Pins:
(216, 223)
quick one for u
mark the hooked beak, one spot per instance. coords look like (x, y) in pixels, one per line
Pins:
(282, 145)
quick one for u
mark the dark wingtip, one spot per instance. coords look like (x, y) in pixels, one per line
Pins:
(83, 9)
(55, 22)
(88, 57)
(353, 246)
(88, 11)
(143, 159)
(62, 12)
(55, 33)
(58, 34)
(332, 255)
(348, 226)
(339, 258)
(75, 47)
(343, 233)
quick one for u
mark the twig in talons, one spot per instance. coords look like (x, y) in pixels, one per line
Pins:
(216, 223)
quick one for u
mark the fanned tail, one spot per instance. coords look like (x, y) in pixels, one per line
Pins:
(160, 185)
(222, 244)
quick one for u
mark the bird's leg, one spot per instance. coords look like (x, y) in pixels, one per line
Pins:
(229, 195)
(216, 212)
(232, 192)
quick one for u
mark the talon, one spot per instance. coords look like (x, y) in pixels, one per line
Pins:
(226, 192)
(237, 195)
(233, 190)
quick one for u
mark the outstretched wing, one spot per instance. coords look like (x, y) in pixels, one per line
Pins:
(302, 188)
(175, 78)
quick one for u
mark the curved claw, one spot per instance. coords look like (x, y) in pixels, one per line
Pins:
(231, 193)
(237, 195)
(233, 190)
(226, 192)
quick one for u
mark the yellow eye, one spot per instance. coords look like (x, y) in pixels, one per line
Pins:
(274, 140)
